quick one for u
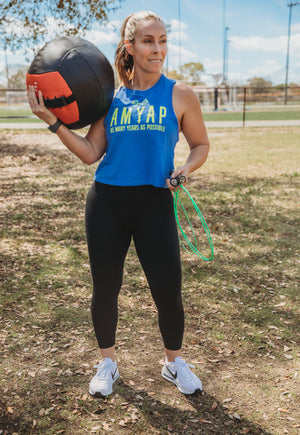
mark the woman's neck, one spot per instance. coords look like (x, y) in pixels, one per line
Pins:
(142, 83)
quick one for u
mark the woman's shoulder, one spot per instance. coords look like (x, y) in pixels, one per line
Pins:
(184, 93)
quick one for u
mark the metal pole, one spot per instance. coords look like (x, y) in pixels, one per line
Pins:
(227, 59)
(290, 6)
(216, 99)
(179, 31)
(225, 70)
(6, 62)
(224, 38)
(168, 28)
(244, 107)
(288, 53)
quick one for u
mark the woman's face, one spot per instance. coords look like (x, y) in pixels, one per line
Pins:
(149, 48)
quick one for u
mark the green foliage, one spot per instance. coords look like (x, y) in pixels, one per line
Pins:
(18, 80)
(192, 72)
(189, 72)
(291, 85)
(25, 22)
(175, 75)
(260, 84)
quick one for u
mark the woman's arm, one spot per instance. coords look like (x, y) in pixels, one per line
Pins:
(190, 119)
(89, 148)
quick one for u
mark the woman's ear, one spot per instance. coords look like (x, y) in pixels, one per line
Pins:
(129, 47)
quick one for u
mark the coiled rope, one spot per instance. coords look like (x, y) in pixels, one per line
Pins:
(191, 245)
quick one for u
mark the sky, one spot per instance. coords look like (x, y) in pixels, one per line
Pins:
(257, 36)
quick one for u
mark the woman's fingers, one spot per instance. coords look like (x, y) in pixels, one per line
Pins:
(31, 97)
(41, 100)
(38, 107)
(179, 178)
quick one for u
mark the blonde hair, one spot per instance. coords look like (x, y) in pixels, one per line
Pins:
(123, 60)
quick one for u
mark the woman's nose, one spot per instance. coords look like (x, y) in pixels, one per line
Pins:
(156, 47)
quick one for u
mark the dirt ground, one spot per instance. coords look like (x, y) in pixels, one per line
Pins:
(44, 385)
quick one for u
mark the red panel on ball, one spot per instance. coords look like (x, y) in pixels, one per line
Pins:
(53, 85)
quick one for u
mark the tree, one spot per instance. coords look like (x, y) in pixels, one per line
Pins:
(191, 72)
(259, 85)
(291, 85)
(175, 75)
(18, 80)
(24, 23)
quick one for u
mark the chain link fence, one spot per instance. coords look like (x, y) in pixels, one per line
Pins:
(235, 98)
(223, 98)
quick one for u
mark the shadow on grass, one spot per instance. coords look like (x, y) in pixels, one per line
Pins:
(254, 223)
(203, 419)
(208, 416)
(255, 239)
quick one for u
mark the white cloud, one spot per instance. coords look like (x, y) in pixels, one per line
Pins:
(106, 33)
(295, 28)
(212, 64)
(113, 24)
(265, 68)
(268, 69)
(178, 28)
(185, 55)
(176, 24)
(102, 37)
(295, 44)
(16, 27)
(259, 43)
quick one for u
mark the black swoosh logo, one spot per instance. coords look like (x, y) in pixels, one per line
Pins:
(113, 374)
(174, 375)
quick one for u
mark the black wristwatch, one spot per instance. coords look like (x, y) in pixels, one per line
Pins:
(53, 128)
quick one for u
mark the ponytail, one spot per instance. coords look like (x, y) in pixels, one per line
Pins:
(124, 60)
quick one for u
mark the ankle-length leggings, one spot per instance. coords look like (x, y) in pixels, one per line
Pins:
(115, 215)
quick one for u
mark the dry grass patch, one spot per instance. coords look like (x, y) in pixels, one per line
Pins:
(242, 320)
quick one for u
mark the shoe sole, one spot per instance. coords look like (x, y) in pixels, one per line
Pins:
(193, 393)
(98, 395)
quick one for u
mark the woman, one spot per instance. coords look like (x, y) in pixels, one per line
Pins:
(130, 196)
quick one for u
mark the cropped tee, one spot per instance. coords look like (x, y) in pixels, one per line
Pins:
(142, 131)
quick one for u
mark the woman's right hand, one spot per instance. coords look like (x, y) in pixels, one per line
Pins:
(89, 148)
(38, 107)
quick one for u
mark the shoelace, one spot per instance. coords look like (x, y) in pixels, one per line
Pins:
(185, 366)
(103, 369)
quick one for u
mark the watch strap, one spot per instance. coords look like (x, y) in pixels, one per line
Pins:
(53, 128)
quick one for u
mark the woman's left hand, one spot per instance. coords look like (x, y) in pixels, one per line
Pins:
(182, 170)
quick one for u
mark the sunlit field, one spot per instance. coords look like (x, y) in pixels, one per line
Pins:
(242, 318)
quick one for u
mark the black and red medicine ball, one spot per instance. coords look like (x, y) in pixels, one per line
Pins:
(76, 80)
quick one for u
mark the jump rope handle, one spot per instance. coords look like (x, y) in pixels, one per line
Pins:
(176, 181)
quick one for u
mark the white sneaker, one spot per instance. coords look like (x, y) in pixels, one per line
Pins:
(179, 373)
(107, 373)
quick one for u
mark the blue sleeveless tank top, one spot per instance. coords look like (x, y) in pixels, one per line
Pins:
(142, 131)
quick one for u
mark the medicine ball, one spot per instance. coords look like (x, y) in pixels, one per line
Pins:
(76, 80)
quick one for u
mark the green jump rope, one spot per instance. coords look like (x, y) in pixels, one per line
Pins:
(191, 245)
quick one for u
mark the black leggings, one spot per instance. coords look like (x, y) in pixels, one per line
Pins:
(114, 214)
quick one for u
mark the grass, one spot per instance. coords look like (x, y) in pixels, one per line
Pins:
(253, 113)
(15, 114)
(241, 309)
